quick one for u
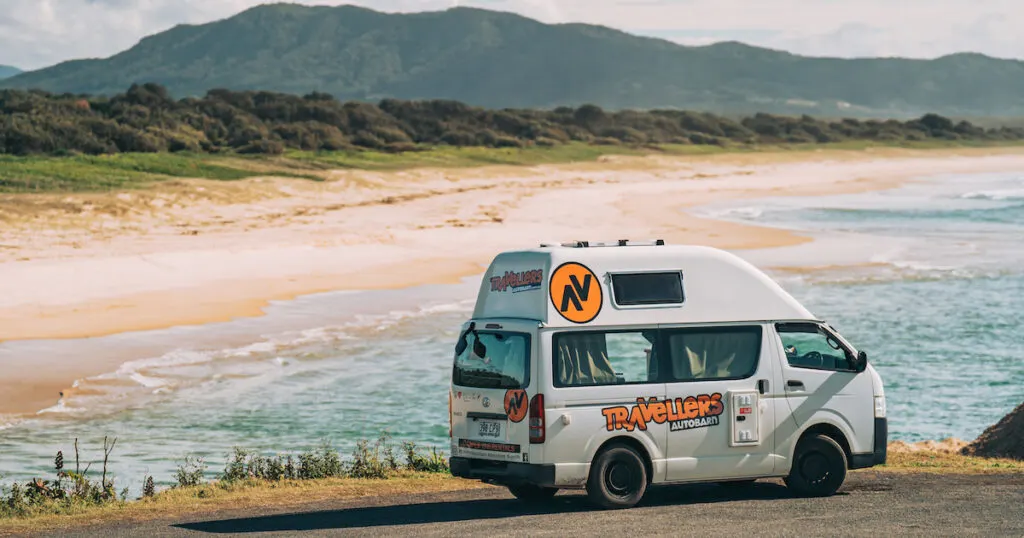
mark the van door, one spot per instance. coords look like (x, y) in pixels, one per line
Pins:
(719, 382)
(606, 382)
(491, 387)
(822, 385)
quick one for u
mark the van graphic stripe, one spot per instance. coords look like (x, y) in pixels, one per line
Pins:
(484, 445)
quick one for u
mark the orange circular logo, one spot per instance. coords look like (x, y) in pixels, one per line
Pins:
(576, 292)
(516, 404)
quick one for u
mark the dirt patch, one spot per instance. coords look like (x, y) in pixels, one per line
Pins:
(1004, 439)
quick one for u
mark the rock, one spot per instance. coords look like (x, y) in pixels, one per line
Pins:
(1004, 439)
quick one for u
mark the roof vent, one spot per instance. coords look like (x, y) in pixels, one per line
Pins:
(617, 243)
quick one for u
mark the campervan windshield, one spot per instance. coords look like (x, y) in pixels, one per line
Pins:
(504, 364)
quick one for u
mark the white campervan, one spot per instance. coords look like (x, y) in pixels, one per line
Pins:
(614, 366)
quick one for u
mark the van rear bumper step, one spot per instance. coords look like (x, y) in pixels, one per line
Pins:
(503, 472)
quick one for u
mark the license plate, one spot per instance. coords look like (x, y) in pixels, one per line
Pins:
(489, 428)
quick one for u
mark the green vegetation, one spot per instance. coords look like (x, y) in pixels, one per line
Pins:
(145, 119)
(99, 173)
(106, 172)
(63, 143)
(499, 59)
(73, 492)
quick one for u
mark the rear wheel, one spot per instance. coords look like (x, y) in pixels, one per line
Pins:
(532, 494)
(819, 467)
(618, 478)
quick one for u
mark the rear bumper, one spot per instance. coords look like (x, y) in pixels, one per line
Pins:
(879, 453)
(502, 472)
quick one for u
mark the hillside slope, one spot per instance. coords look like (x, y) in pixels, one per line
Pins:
(7, 71)
(499, 59)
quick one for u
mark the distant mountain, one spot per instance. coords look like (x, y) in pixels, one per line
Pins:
(7, 71)
(499, 59)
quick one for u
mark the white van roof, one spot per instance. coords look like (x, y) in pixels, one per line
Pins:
(571, 285)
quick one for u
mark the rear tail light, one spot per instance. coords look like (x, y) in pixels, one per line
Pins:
(537, 426)
(449, 413)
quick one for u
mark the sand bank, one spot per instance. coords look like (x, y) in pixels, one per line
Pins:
(192, 252)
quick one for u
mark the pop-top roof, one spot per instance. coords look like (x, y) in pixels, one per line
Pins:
(622, 282)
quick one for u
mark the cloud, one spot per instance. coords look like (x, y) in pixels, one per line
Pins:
(36, 33)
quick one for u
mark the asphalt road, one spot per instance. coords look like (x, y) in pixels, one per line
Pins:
(869, 504)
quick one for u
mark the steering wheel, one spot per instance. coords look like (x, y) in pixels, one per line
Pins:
(812, 358)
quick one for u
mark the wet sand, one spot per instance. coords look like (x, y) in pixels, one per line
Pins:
(195, 252)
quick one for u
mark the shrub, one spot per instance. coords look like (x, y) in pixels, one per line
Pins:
(433, 462)
(146, 119)
(190, 471)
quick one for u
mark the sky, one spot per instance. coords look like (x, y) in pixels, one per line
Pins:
(38, 33)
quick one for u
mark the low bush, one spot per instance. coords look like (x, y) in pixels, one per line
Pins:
(72, 491)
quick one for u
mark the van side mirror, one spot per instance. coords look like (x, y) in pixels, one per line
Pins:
(861, 363)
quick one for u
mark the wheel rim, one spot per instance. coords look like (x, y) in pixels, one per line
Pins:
(815, 468)
(619, 478)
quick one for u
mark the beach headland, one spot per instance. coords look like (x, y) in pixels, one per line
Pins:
(198, 251)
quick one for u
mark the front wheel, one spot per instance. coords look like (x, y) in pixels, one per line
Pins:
(819, 467)
(618, 478)
(532, 494)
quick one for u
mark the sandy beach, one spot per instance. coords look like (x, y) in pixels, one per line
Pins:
(195, 252)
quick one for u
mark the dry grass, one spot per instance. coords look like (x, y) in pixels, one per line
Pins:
(209, 499)
(947, 462)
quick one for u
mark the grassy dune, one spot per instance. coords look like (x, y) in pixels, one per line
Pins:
(85, 173)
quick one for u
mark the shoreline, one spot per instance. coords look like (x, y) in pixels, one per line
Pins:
(383, 230)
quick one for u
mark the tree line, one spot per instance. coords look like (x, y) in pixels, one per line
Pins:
(146, 118)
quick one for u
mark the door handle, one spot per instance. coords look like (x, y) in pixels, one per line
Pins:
(762, 386)
(794, 384)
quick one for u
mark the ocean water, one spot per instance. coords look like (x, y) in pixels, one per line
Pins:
(927, 278)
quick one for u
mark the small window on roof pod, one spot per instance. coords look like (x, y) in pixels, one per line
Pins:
(655, 288)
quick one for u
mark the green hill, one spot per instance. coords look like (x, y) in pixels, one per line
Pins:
(498, 59)
(7, 71)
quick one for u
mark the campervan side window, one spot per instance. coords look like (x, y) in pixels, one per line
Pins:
(713, 353)
(809, 345)
(589, 358)
(654, 288)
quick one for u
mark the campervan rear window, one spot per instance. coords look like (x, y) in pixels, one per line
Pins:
(633, 289)
(505, 363)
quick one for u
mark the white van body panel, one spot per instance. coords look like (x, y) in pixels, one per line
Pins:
(765, 412)
(715, 453)
(720, 286)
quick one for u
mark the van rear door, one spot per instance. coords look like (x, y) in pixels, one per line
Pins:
(491, 389)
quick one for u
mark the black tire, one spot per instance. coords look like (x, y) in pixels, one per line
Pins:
(532, 494)
(819, 467)
(618, 478)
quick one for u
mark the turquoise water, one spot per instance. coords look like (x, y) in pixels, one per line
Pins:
(928, 279)
(939, 307)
